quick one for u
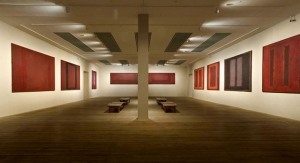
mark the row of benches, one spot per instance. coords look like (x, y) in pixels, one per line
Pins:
(118, 106)
(167, 106)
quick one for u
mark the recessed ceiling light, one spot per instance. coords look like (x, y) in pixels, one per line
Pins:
(229, 4)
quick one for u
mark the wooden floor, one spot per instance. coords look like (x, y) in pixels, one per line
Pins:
(84, 132)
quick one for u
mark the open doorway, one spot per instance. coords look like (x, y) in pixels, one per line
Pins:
(86, 89)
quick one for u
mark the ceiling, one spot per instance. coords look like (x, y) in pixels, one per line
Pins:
(196, 22)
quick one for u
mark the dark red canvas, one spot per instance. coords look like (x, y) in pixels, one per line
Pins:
(199, 78)
(213, 76)
(237, 72)
(94, 79)
(161, 78)
(31, 71)
(281, 66)
(70, 76)
(123, 78)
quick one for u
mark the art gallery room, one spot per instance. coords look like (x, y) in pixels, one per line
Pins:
(150, 81)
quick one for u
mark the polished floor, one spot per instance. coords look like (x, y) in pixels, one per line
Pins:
(84, 132)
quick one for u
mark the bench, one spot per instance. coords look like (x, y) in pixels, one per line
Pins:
(159, 100)
(169, 107)
(125, 100)
(115, 106)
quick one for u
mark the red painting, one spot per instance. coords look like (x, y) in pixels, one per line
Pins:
(70, 76)
(199, 78)
(31, 71)
(94, 79)
(123, 78)
(281, 66)
(213, 76)
(161, 78)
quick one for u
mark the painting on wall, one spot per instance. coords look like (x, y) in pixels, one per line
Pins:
(161, 78)
(94, 79)
(123, 78)
(31, 71)
(199, 78)
(281, 66)
(213, 76)
(70, 76)
(237, 72)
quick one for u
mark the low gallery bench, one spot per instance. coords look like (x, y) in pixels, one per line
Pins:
(159, 100)
(125, 100)
(168, 106)
(115, 106)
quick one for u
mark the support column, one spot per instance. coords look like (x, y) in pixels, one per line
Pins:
(143, 60)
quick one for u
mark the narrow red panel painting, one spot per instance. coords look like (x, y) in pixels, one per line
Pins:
(31, 71)
(161, 78)
(199, 78)
(123, 78)
(94, 79)
(281, 66)
(213, 76)
(70, 76)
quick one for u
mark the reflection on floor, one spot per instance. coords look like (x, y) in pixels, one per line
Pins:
(201, 132)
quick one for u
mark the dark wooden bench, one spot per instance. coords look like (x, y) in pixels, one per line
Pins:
(169, 106)
(125, 100)
(115, 106)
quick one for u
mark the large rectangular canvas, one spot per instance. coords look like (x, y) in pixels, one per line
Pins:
(238, 72)
(281, 66)
(199, 78)
(31, 71)
(213, 76)
(123, 78)
(161, 78)
(94, 79)
(70, 76)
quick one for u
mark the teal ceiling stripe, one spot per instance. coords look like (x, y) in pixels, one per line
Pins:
(105, 62)
(124, 62)
(179, 62)
(212, 40)
(109, 41)
(161, 62)
(177, 40)
(74, 41)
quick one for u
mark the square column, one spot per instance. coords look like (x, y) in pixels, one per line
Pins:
(143, 61)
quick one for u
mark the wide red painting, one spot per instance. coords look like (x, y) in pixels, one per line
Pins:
(123, 78)
(31, 71)
(161, 78)
(199, 78)
(94, 79)
(281, 66)
(70, 76)
(213, 76)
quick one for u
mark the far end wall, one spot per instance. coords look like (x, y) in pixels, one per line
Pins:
(155, 90)
(279, 104)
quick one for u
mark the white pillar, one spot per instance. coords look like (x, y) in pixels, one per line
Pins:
(143, 60)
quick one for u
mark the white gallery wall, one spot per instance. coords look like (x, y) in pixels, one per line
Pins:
(15, 103)
(279, 104)
(131, 90)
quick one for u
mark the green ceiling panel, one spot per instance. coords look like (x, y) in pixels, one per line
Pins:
(179, 62)
(105, 62)
(73, 40)
(177, 40)
(124, 62)
(212, 40)
(161, 62)
(109, 41)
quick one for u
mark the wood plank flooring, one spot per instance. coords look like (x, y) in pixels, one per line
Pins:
(84, 132)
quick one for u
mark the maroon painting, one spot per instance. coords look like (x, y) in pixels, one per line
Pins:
(237, 72)
(94, 79)
(70, 76)
(281, 66)
(199, 78)
(161, 78)
(213, 76)
(123, 78)
(31, 71)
